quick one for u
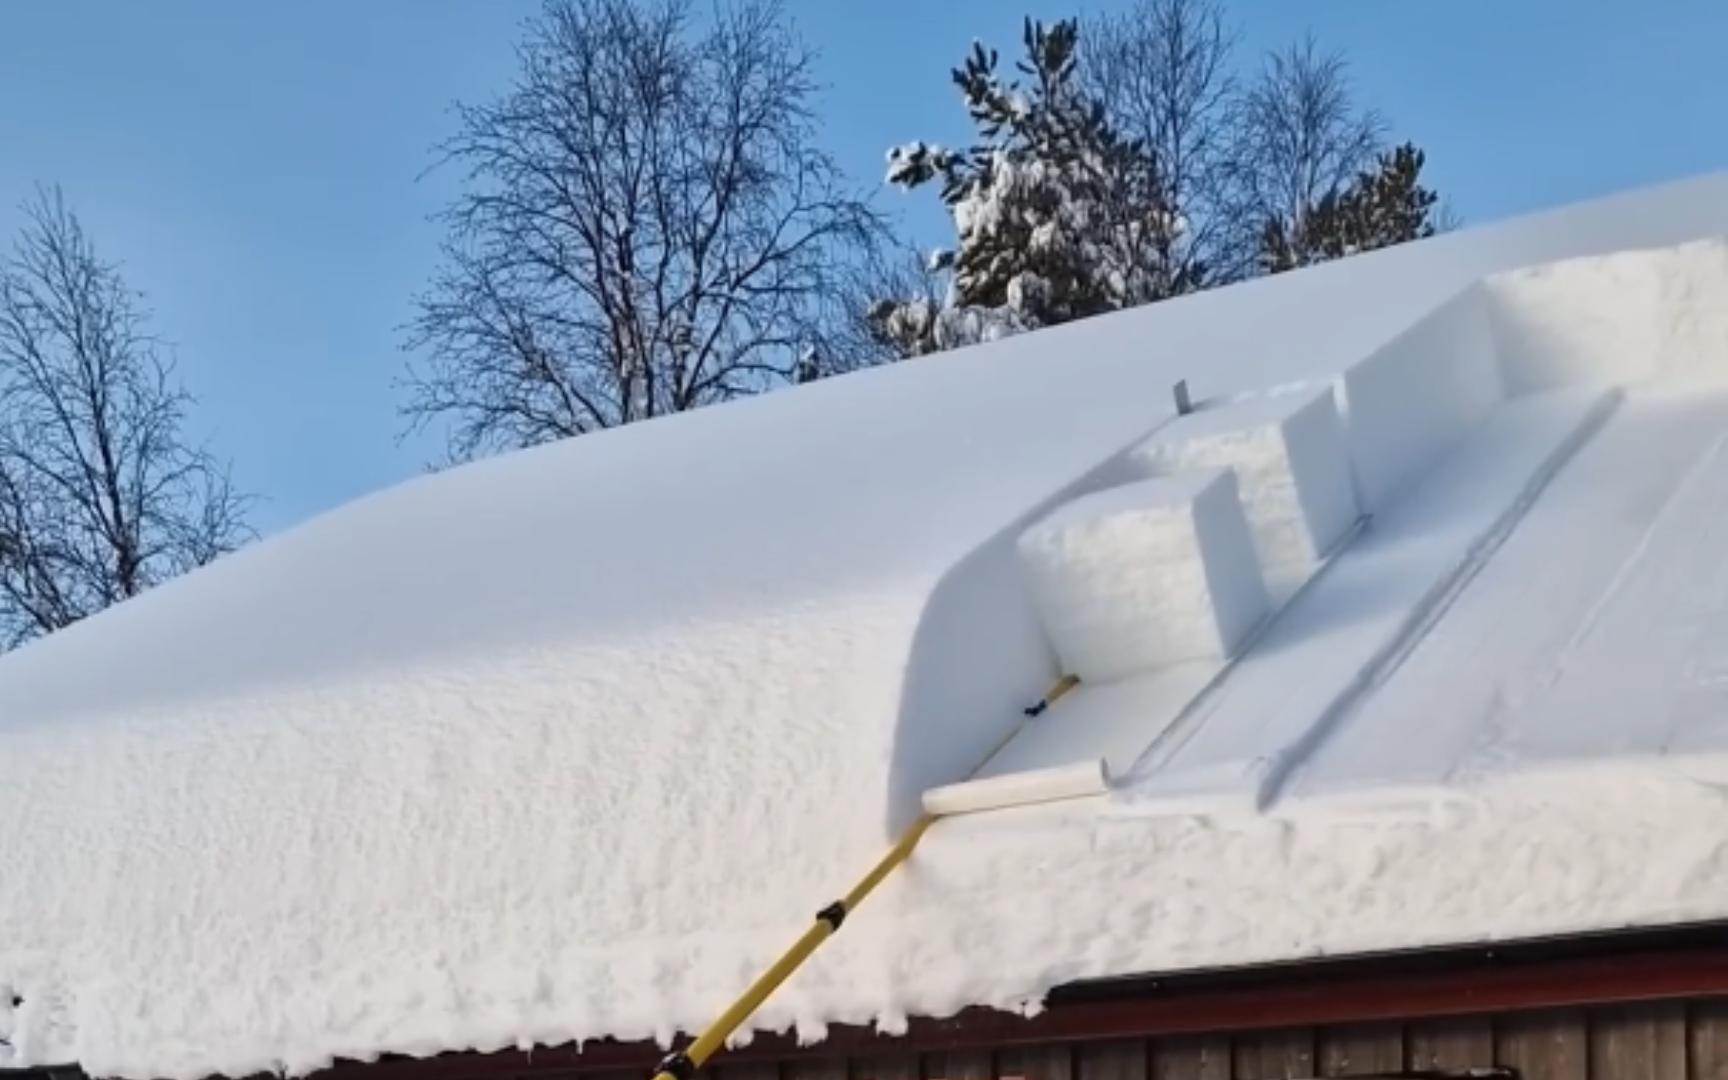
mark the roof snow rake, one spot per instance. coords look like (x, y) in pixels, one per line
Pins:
(970, 796)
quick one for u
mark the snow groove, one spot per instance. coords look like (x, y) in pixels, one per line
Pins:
(1433, 606)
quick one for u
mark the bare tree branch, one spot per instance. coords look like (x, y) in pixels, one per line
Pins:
(100, 497)
(1162, 69)
(1304, 139)
(647, 227)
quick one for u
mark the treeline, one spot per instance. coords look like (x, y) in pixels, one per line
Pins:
(648, 222)
(1125, 162)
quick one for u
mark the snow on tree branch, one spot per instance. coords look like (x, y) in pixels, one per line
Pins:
(1056, 215)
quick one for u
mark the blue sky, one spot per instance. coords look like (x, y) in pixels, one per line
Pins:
(258, 168)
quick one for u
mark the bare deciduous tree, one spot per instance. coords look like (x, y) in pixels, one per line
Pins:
(100, 495)
(648, 227)
(1162, 69)
(1303, 139)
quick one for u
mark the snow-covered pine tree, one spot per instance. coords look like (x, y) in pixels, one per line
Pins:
(1385, 206)
(1056, 215)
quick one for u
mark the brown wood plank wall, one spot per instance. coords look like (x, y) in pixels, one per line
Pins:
(1660, 1041)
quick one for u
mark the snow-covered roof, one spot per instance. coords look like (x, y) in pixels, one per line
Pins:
(567, 743)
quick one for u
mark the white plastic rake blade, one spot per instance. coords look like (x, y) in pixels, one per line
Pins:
(1019, 789)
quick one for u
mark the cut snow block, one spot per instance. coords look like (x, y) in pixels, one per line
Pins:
(1417, 396)
(1293, 465)
(1145, 575)
(1611, 318)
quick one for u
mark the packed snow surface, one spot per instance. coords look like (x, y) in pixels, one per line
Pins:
(567, 744)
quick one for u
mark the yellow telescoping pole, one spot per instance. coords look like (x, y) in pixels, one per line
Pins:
(682, 1064)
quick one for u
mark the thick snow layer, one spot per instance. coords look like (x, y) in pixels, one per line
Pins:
(567, 744)
(1416, 396)
(1644, 313)
(1141, 576)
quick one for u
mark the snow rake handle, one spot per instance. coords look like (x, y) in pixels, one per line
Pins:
(682, 1064)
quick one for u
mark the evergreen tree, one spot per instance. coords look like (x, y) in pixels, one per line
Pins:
(1056, 215)
(1383, 206)
(1389, 205)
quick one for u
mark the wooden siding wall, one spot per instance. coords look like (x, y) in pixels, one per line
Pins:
(1665, 1041)
(1676, 1040)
